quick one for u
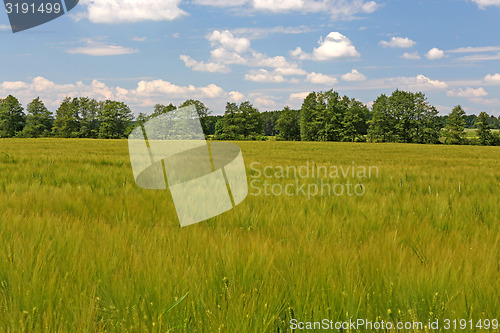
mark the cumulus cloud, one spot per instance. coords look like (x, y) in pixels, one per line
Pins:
(138, 39)
(290, 71)
(411, 56)
(300, 95)
(100, 48)
(467, 93)
(278, 5)
(264, 102)
(398, 42)
(435, 54)
(334, 46)
(485, 3)
(228, 41)
(418, 83)
(318, 78)
(236, 96)
(116, 11)
(495, 78)
(354, 75)
(201, 66)
(228, 49)
(263, 75)
(142, 97)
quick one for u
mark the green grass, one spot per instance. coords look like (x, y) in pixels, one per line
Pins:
(82, 248)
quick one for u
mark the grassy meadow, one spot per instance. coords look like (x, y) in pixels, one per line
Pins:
(83, 249)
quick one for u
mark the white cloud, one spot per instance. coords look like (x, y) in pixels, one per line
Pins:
(467, 93)
(221, 3)
(398, 42)
(287, 71)
(227, 40)
(278, 5)
(99, 48)
(255, 33)
(481, 57)
(264, 102)
(354, 75)
(300, 96)
(485, 3)
(495, 78)
(138, 39)
(492, 102)
(231, 50)
(116, 11)
(470, 49)
(201, 66)
(263, 75)
(435, 54)
(236, 96)
(4, 27)
(338, 9)
(334, 46)
(370, 7)
(318, 78)
(418, 83)
(160, 87)
(13, 85)
(411, 56)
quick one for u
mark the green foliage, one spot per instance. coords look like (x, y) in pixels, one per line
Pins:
(12, 118)
(38, 120)
(115, 119)
(202, 111)
(454, 131)
(326, 116)
(67, 122)
(288, 125)
(483, 130)
(240, 122)
(270, 122)
(404, 117)
(89, 117)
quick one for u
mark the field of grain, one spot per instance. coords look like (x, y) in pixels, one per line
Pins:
(83, 249)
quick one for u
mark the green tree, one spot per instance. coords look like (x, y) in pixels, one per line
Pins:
(115, 119)
(404, 117)
(88, 111)
(202, 111)
(38, 120)
(288, 125)
(483, 130)
(381, 125)
(12, 118)
(161, 109)
(354, 122)
(454, 132)
(252, 121)
(67, 122)
(234, 122)
(308, 122)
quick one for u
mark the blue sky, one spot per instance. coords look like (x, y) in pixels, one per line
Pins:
(271, 52)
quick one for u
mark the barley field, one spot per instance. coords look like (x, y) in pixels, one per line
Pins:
(83, 249)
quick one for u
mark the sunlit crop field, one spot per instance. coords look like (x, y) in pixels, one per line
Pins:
(83, 249)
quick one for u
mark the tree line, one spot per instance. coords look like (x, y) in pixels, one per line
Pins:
(404, 117)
